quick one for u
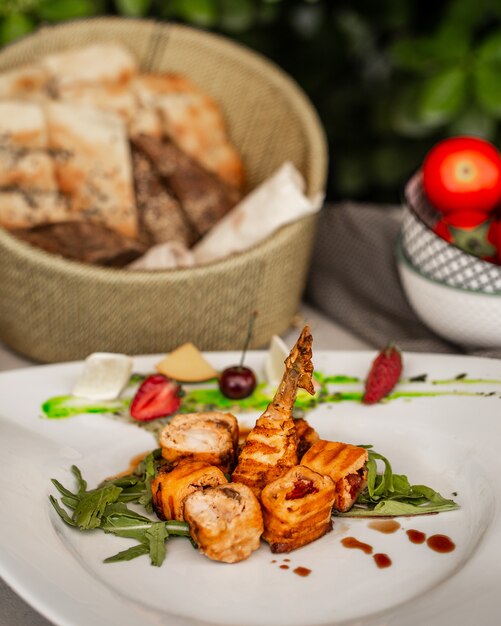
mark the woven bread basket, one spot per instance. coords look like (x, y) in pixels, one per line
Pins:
(53, 309)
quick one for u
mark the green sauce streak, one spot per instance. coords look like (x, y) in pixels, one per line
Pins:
(210, 398)
(60, 407)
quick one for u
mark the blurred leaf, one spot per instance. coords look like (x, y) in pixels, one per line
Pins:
(487, 81)
(307, 19)
(474, 122)
(200, 12)
(429, 54)
(14, 26)
(236, 15)
(490, 50)
(442, 96)
(405, 118)
(57, 10)
(133, 8)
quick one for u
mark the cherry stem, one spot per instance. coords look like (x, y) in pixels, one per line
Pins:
(250, 330)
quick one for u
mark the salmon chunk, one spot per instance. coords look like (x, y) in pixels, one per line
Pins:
(225, 522)
(211, 437)
(170, 488)
(344, 464)
(297, 509)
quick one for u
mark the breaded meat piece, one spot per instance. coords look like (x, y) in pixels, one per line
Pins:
(344, 464)
(225, 522)
(297, 509)
(171, 487)
(210, 437)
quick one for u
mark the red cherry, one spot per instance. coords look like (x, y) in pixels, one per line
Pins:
(237, 382)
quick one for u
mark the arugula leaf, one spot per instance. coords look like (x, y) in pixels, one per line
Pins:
(90, 509)
(61, 512)
(68, 498)
(157, 536)
(81, 483)
(129, 554)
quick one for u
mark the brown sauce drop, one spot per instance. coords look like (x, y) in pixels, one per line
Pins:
(386, 526)
(286, 560)
(274, 561)
(284, 567)
(441, 543)
(351, 542)
(382, 560)
(302, 571)
(415, 536)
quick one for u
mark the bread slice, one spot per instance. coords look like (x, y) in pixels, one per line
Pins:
(194, 122)
(28, 82)
(93, 165)
(105, 62)
(204, 198)
(24, 158)
(25, 209)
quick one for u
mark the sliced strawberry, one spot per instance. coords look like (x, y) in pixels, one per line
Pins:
(158, 396)
(384, 375)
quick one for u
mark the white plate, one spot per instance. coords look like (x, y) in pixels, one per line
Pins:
(450, 442)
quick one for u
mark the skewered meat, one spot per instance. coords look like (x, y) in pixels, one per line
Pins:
(270, 448)
(297, 509)
(170, 487)
(210, 437)
(344, 464)
(225, 521)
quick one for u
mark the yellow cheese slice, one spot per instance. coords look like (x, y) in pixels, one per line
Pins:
(186, 364)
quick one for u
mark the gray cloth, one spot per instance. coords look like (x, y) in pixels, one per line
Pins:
(354, 279)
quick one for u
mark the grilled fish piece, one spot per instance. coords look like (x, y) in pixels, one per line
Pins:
(211, 437)
(306, 437)
(225, 521)
(171, 487)
(344, 464)
(271, 446)
(297, 509)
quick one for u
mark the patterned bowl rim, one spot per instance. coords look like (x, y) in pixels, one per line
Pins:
(407, 202)
(404, 260)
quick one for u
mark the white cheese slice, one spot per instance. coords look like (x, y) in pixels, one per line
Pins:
(104, 376)
(274, 366)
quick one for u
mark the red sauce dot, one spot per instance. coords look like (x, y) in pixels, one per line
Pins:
(382, 560)
(302, 571)
(415, 536)
(441, 543)
(286, 560)
(284, 567)
(351, 542)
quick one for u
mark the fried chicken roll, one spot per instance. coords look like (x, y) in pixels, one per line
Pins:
(344, 464)
(271, 446)
(211, 437)
(170, 488)
(297, 509)
(225, 521)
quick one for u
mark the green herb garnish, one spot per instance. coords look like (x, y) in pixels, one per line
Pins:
(390, 495)
(105, 508)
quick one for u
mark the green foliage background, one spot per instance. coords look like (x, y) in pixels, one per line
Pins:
(388, 77)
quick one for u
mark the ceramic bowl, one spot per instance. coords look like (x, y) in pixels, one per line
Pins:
(471, 319)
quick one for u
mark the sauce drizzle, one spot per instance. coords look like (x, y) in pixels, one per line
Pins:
(351, 542)
(302, 571)
(441, 543)
(382, 560)
(386, 526)
(415, 536)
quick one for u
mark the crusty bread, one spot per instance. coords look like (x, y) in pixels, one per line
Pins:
(24, 209)
(104, 62)
(94, 167)
(205, 198)
(161, 218)
(83, 241)
(24, 159)
(28, 82)
(193, 121)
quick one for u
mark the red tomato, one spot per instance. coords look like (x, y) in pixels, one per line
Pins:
(463, 173)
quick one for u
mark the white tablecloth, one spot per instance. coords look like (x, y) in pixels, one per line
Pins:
(327, 336)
